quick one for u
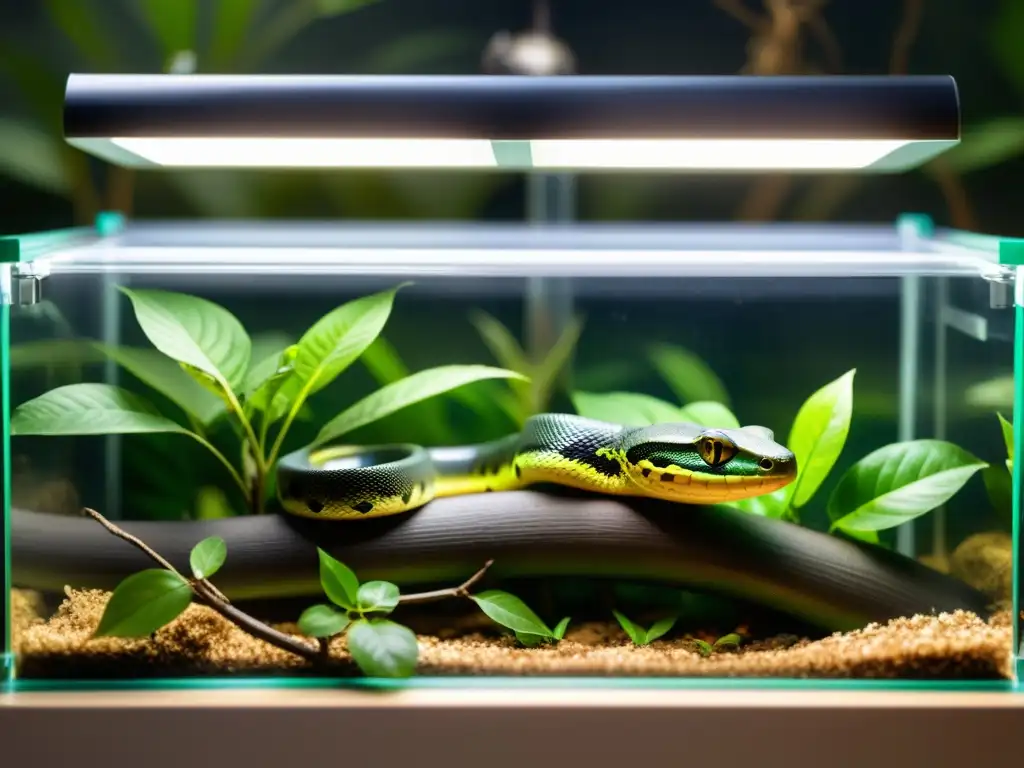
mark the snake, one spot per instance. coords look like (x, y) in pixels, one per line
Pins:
(563, 496)
(676, 461)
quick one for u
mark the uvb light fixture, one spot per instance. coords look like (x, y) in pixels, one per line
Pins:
(570, 123)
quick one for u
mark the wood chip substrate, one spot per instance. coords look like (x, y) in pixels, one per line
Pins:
(201, 643)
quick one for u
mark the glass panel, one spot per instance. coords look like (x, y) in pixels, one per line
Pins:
(880, 358)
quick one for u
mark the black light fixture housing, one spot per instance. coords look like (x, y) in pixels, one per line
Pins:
(556, 123)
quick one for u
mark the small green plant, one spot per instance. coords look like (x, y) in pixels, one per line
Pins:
(203, 363)
(704, 648)
(641, 636)
(149, 600)
(532, 392)
(887, 488)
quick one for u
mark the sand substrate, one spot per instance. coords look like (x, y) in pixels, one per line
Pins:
(200, 642)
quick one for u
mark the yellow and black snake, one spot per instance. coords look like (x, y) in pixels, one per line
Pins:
(654, 513)
(680, 462)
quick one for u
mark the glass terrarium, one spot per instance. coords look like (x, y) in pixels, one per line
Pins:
(337, 451)
(349, 451)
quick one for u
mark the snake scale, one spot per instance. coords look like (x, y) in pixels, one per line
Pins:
(651, 509)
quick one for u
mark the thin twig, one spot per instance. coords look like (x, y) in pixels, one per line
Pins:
(211, 597)
(443, 594)
(133, 540)
(899, 61)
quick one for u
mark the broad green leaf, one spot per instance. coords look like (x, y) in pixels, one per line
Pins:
(687, 375)
(987, 144)
(212, 504)
(818, 435)
(338, 581)
(704, 648)
(167, 377)
(78, 22)
(560, 627)
(208, 556)
(322, 621)
(53, 353)
(412, 389)
(898, 483)
(636, 633)
(383, 648)
(382, 361)
(89, 409)
(731, 639)
(633, 409)
(335, 7)
(172, 22)
(500, 341)
(377, 596)
(660, 627)
(999, 487)
(709, 414)
(143, 603)
(194, 331)
(530, 640)
(1007, 435)
(268, 378)
(509, 611)
(33, 156)
(871, 537)
(231, 20)
(338, 338)
(771, 505)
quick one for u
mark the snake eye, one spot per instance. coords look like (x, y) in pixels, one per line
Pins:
(716, 449)
(766, 464)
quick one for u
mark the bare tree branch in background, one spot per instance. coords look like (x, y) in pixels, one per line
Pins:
(776, 48)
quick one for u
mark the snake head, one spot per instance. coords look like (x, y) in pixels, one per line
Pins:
(698, 465)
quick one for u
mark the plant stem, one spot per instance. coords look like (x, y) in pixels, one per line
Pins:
(223, 460)
(292, 413)
(250, 434)
(211, 597)
(443, 594)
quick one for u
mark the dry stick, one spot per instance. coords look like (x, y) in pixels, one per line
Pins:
(213, 598)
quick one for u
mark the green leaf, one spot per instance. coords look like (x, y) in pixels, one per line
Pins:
(34, 157)
(208, 556)
(172, 22)
(412, 389)
(89, 409)
(999, 487)
(632, 409)
(340, 584)
(530, 640)
(382, 361)
(231, 20)
(377, 597)
(212, 504)
(772, 505)
(687, 375)
(559, 631)
(338, 338)
(703, 647)
(500, 341)
(731, 639)
(709, 414)
(268, 378)
(818, 435)
(78, 22)
(636, 633)
(1007, 435)
(985, 145)
(509, 611)
(167, 377)
(196, 332)
(660, 627)
(383, 648)
(336, 7)
(545, 375)
(143, 603)
(322, 621)
(898, 483)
